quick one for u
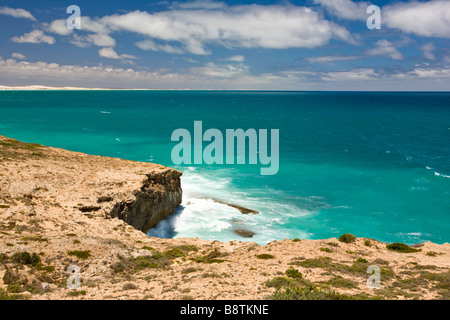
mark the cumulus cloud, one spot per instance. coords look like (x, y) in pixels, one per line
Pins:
(59, 27)
(17, 55)
(56, 74)
(152, 46)
(35, 36)
(345, 9)
(111, 54)
(428, 51)
(197, 24)
(211, 69)
(17, 13)
(198, 4)
(237, 58)
(330, 59)
(385, 48)
(229, 76)
(98, 39)
(351, 75)
(429, 19)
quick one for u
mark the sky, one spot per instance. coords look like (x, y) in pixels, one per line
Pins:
(227, 45)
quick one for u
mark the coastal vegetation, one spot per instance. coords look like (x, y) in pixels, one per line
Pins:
(401, 247)
(347, 238)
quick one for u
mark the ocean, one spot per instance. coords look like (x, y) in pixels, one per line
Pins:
(373, 164)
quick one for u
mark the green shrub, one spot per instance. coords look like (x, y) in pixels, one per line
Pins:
(307, 293)
(4, 295)
(265, 256)
(333, 244)
(129, 286)
(174, 253)
(27, 258)
(211, 257)
(367, 243)
(81, 254)
(294, 273)
(3, 257)
(401, 247)
(76, 293)
(10, 277)
(361, 260)
(279, 282)
(347, 238)
(342, 282)
(326, 250)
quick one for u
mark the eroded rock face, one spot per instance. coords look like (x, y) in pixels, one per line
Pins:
(158, 198)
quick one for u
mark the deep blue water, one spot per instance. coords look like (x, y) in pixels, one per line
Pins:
(373, 164)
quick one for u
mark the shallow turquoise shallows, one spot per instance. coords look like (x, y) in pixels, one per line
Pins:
(373, 164)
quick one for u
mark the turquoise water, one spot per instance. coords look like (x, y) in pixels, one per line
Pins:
(372, 164)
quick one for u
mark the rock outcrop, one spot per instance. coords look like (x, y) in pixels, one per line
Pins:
(158, 197)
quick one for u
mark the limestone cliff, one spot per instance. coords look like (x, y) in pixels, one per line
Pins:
(158, 197)
(141, 194)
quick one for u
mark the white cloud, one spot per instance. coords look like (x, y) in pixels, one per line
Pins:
(250, 26)
(35, 36)
(17, 13)
(429, 19)
(424, 72)
(58, 27)
(385, 48)
(237, 58)
(330, 59)
(216, 76)
(99, 34)
(345, 9)
(98, 39)
(428, 51)
(351, 75)
(151, 45)
(211, 69)
(17, 55)
(198, 4)
(111, 54)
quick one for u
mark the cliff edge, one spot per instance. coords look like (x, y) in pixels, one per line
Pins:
(72, 226)
(141, 194)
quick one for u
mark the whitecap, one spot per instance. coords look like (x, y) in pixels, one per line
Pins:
(205, 212)
(441, 175)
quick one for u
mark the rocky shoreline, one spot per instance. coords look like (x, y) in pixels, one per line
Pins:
(60, 209)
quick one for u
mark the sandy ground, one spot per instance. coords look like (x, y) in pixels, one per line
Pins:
(42, 195)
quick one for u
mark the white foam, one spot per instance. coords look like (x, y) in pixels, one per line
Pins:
(201, 216)
(441, 175)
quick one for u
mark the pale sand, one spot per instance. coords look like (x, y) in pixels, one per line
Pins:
(40, 87)
(42, 189)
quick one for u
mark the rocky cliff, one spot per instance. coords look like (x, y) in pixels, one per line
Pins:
(141, 194)
(158, 197)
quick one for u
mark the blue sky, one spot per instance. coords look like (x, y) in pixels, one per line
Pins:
(205, 44)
